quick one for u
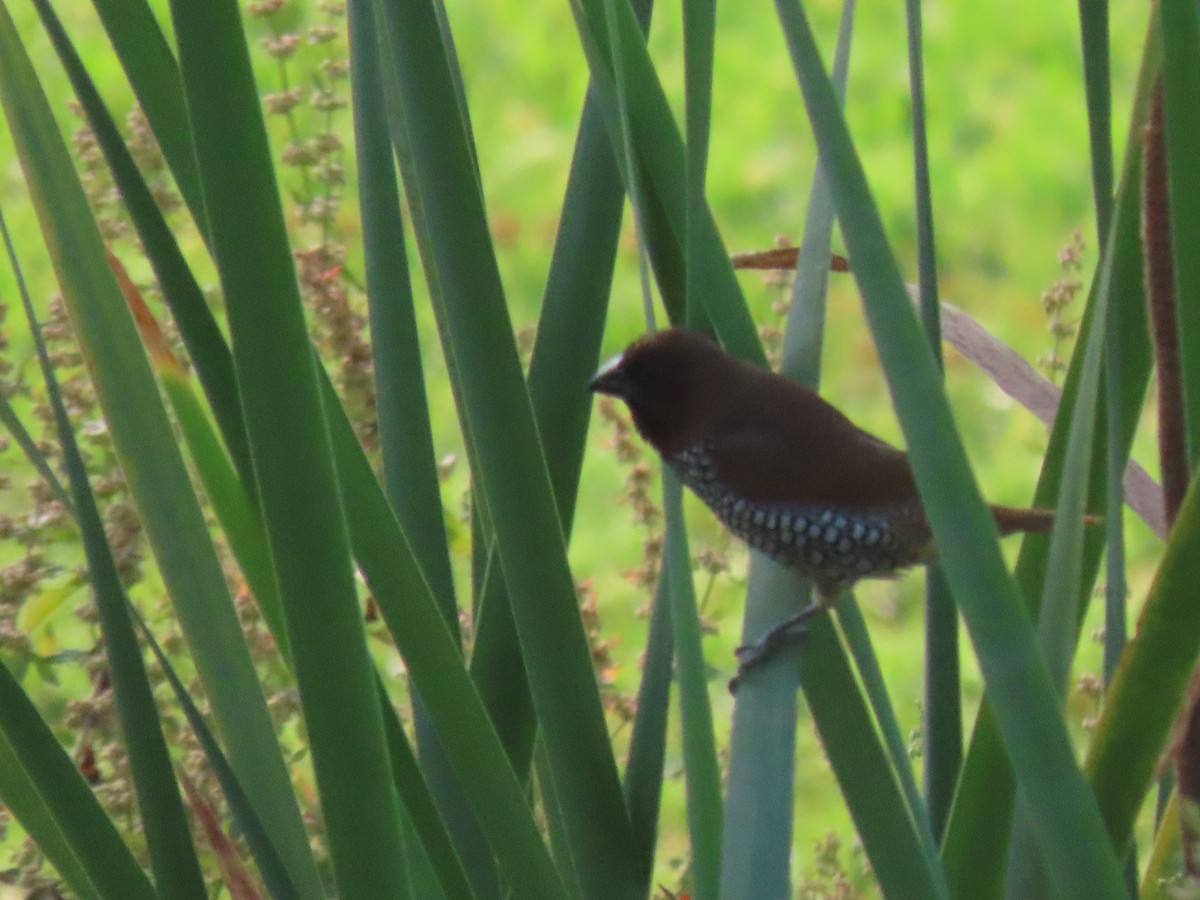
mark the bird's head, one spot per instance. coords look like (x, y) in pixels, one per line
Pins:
(672, 381)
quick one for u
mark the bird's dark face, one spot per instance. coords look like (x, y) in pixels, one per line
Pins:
(669, 381)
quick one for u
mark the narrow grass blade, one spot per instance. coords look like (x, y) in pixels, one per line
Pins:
(1093, 30)
(409, 464)
(12, 422)
(1149, 683)
(975, 845)
(435, 665)
(172, 853)
(704, 808)
(859, 762)
(638, 196)
(154, 75)
(942, 733)
(149, 457)
(559, 842)
(496, 667)
(511, 468)
(293, 458)
(86, 828)
(592, 213)
(379, 544)
(858, 640)
(275, 875)
(265, 854)
(1116, 588)
(1061, 613)
(1164, 862)
(1069, 826)
(460, 92)
(566, 350)
(182, 293)
(20, 796)
(648, 742)
(926, 251)
(757, 838)
(660, 152)
(759, 806)
(429, 850)
(239, 519)
(662, 237)
(702, 776)
(406, 443)
(565, 353)
(699, 35)
(247, 537)
(942, 750)
(422, 879)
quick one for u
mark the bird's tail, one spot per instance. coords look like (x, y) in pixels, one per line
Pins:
(1011, 519)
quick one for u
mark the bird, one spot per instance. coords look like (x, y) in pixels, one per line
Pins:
(781, 468)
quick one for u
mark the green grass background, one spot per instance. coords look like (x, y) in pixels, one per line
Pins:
(1011, 180)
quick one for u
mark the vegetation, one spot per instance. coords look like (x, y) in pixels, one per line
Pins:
(319, 616)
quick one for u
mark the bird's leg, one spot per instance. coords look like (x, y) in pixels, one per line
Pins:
(787, 632)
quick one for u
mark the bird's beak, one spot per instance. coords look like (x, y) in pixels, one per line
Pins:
(610, 378)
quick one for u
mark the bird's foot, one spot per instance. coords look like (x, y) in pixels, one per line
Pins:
(751, 656)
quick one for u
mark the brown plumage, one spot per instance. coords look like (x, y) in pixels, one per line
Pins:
(780, 467)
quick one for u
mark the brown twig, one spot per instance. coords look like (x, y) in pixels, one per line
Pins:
(1172, 448)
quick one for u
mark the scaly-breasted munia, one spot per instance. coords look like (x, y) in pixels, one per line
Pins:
(780, 467)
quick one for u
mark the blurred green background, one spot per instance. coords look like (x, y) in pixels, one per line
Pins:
(1011, 182)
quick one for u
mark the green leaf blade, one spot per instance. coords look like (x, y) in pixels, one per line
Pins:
(1067, 819)
(293, 457)
(150, 459)
(499, 423)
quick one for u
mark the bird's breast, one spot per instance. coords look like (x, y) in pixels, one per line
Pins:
(832, 546)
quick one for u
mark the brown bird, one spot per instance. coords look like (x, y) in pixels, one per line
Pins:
(781, 468)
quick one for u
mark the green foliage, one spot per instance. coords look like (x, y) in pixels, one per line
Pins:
(382, 562)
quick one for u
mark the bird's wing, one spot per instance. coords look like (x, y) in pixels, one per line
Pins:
(794, 463)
